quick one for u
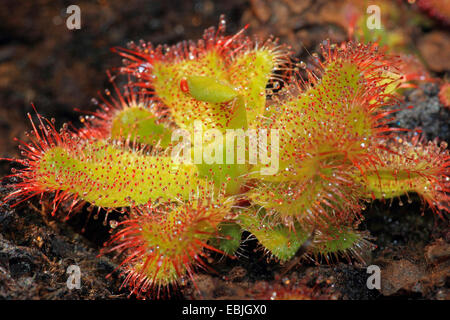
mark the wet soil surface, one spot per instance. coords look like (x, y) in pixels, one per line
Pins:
(59, 70)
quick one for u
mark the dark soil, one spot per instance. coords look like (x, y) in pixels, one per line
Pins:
(41, 61)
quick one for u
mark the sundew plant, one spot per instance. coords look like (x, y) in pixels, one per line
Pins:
(327, 128)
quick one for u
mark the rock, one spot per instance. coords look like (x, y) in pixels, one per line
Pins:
(401, 274)
(435, 49)
(438, 251)
(261, 9)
